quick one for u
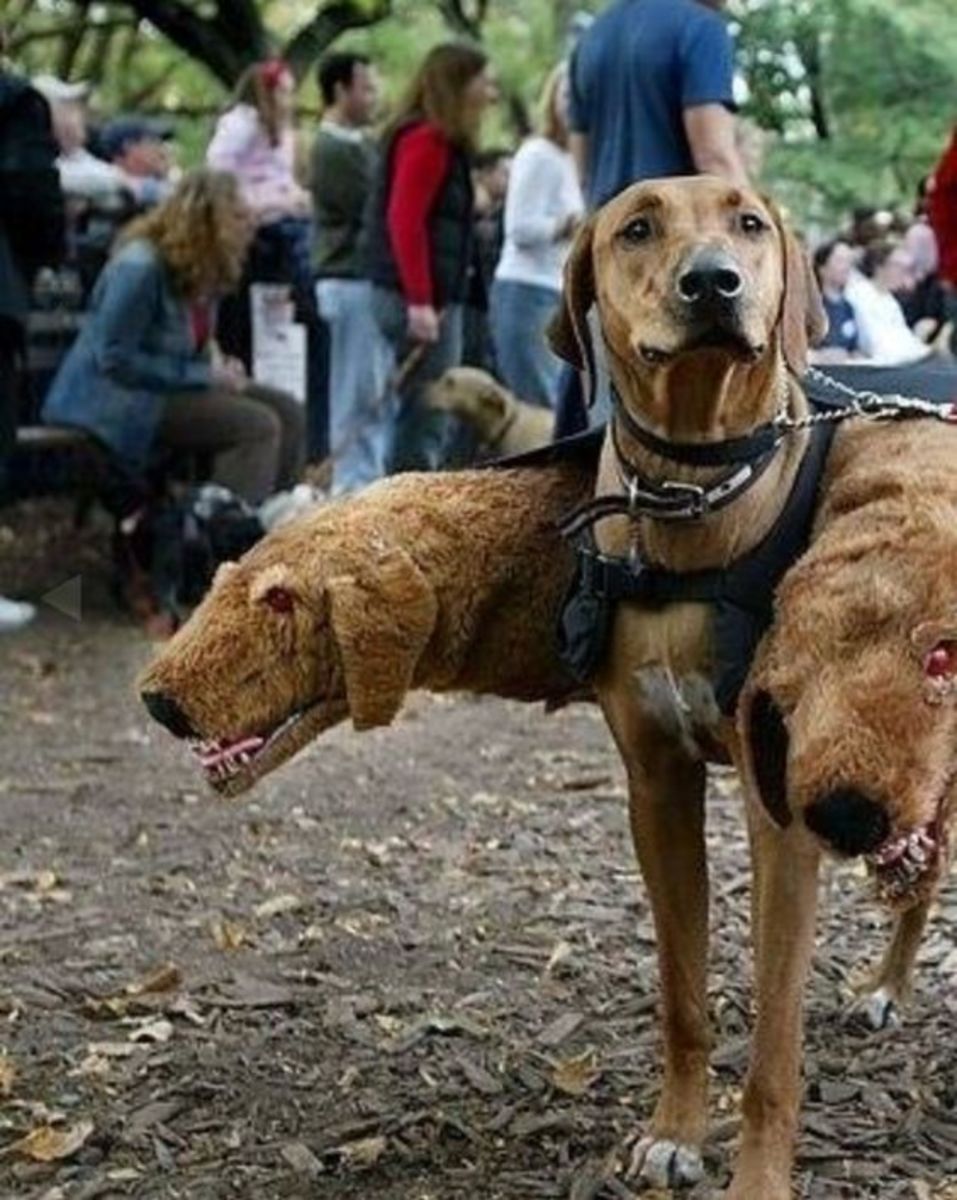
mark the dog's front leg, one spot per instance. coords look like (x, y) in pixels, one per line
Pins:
(786, 864)
(667, 820)
(881, 998)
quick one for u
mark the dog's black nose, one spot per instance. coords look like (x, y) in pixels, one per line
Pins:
(161, 708)
(711, 277)
(852, 822)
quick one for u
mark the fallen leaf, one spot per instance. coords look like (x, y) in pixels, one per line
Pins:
(301, 1159)
(362, 1154)
(156, 1029)
(278, 904)
(574, 1076)
(229, 935)
(562, 951)
(165, 978)
(8, 1074)
(47, 1144)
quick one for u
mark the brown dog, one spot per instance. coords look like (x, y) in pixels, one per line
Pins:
(706, 309)
(849, 719)
(444, 581)
(503, 424)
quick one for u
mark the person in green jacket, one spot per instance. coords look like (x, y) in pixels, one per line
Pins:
(343, 160)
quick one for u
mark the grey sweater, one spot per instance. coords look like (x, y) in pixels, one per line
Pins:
(340, 174)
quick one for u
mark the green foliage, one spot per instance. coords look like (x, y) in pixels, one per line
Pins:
(859, 95)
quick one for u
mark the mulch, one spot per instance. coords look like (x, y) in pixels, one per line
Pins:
(416, 964)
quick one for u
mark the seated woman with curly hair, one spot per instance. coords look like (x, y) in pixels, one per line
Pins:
(145, 372)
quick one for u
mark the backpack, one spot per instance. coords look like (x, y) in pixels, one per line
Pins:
(32, 212)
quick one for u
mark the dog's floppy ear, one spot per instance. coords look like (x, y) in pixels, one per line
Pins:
(382, 620)
(764, 747)
(803, 321)
(568, 332)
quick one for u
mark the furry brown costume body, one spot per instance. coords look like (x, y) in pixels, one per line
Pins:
(443, 581)
(849, 719)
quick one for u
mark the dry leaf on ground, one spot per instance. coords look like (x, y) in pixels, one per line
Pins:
(47, 1144)
(574, 1076)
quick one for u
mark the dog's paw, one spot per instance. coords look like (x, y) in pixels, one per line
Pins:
(665, 1164)
(876, 1010)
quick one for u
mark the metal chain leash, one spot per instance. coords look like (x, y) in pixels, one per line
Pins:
(865, 406)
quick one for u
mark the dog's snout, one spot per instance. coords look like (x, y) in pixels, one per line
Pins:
(850, 821)
(708, 278)
(169, 714)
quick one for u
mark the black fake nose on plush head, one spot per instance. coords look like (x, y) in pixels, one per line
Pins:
(710, 280)
(161, 708)
(852, 822)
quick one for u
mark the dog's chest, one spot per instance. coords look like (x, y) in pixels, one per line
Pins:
(683, 706)
(666, 658)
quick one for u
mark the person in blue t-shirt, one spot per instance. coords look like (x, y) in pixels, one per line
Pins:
(652, 95)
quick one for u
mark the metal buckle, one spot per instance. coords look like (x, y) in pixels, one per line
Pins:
(697, 497)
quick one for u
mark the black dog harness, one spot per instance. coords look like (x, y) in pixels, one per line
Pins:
(741, 594)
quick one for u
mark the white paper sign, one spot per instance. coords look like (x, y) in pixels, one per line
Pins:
(279, 343)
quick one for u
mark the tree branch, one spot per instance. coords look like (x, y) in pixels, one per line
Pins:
(199, 38)
(318, 34)
(466, 24)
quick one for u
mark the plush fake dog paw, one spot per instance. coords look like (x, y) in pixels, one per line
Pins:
(875, 1010)
(665, 1164)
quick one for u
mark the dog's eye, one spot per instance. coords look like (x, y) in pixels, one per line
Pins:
(637, 230)
(941, 661)
(751, 223)
(280, 599)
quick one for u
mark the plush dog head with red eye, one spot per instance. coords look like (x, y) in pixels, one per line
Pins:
(849, 720)
(287, 643)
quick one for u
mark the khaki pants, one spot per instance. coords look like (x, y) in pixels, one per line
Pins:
(257, 436)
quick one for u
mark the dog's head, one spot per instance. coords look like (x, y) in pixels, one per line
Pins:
(317, 623)
(848, 723)
(472, 394)
(689, 276)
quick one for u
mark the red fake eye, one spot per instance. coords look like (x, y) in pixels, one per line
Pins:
(280, 600)
(941, 662)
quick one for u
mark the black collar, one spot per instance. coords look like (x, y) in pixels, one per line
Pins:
(762, 440)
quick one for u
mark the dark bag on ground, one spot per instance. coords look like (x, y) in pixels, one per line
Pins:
(178, 542)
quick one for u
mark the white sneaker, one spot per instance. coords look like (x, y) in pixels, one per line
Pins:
(14, 614)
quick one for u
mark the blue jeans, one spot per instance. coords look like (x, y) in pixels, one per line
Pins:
(519, 314)
(420, 438)
(360, 360)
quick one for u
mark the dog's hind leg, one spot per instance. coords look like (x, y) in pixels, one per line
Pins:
(879, 1001)
(667, 820)
(786, 906)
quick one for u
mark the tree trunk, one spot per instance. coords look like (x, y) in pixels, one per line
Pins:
(808, 44)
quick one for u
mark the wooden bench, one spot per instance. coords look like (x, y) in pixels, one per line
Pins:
(57, 460)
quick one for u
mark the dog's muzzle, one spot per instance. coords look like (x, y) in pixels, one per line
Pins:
(168, 713)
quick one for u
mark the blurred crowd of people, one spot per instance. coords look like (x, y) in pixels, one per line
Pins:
(885, 283)
(406, 244)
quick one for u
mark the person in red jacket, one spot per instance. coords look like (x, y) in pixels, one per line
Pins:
(942, 214)
(419, 238)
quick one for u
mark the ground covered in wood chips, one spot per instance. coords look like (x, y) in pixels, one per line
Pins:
(417, 964)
